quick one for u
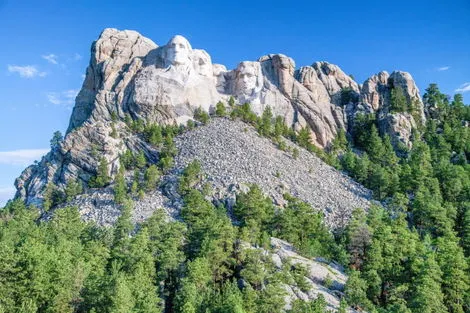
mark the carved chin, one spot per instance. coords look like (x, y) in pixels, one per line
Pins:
(180, 61)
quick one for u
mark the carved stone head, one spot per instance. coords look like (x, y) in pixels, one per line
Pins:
(178, 51)
(249, 79)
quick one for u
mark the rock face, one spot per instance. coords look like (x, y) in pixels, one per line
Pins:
(130, 76)
(375, 97)
(323, 278)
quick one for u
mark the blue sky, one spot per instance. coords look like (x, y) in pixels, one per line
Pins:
(45, 49)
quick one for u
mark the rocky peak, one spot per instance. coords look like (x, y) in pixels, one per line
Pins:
(334, 79)
(115, 58)
(375, 97)
(374, 89)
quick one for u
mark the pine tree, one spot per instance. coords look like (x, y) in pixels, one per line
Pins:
(427, 296)
(141, 160)
(455, 279)
(375, 148)
(340, 143)
(265, 125)
(73, 188)
(398, 101)
(303, 137)
(120, 188)
(56, 140)
(220, 109)
(151, 177)
(102, 177)
(355, 291)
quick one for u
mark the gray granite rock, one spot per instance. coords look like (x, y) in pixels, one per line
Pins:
(233, 155)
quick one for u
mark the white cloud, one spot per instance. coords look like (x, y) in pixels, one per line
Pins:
(51, 58)
(21, 157)
(443, 68)
(77, 57)
(27, 71)
(65, 98)
(6, 193)
(465, 87)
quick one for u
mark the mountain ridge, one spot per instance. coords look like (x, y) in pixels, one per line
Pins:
(130, 77)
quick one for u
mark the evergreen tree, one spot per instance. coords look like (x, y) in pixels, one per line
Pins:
(265, 125)
(73, 188)
(102, 177)
(120, 188)
(303, 137)
(141, 160)
(151, 177)
(355, 291)
(426, 295)
(455, 279)
(375, 148)
(201, 116)
(398, 101)
(56, 139)
(220, 109)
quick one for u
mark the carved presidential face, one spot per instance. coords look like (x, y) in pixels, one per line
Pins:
(248, 79)
(202, 63)
(178, 51)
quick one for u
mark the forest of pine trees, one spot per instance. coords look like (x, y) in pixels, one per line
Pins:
(410, 255)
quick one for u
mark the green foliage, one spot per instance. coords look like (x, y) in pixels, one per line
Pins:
(220, 109)
(127, 160)
(190, 176)
(340, 143)
(255, 212)
(303, 137)
(56, 139)
(317, 305)
(302, 226)
(201, 116)
(166, 163)
(265, 124)
(244, 112)
(52, 197)
(398, 101)
(120, 188)
(231, 101)
(151, 177)
(153, 134)
(362, 127)
(73, 188)
(356, 291)
(410, 257)
(102, 177)
(295, 153)
(114, 132)
(141, 160)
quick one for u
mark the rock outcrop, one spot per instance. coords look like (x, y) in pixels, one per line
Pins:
(322, 277)
(129, 76)
(375, 97)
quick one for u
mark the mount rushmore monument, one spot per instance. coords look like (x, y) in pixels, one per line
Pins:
(129, 74)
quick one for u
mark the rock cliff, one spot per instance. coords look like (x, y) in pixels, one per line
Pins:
(129, 76)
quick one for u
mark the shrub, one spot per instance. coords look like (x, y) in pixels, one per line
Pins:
(220, 109)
